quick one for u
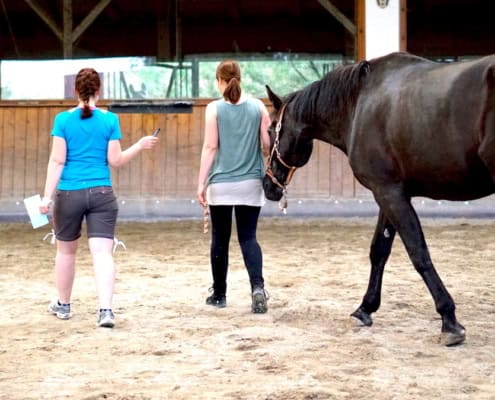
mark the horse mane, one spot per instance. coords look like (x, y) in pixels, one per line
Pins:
(332, 95)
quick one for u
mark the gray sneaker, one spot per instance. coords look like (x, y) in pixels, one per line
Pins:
(106, 319)
(259, 304)
(61, 311)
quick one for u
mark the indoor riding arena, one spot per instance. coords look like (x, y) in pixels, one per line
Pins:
(167, 343)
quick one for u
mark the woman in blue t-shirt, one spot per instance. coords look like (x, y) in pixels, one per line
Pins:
(86, 143)
(230, 178)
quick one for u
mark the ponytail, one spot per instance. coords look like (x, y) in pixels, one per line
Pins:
(232, 92)
(230, 72)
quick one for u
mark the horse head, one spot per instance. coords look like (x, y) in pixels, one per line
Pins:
(291, 147)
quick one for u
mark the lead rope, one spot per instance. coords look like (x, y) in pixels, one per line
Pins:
(206, 219)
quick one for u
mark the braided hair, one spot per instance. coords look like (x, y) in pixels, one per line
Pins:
(87, 84)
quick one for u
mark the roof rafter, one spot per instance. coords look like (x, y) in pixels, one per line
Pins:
(346, 22)
(68, 36)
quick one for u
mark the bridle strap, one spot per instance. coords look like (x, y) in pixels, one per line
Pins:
(276, 151)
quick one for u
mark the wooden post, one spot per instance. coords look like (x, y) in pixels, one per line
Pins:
(67, 36)
(164, 23)
(178, 33)
(360, 38)
(403, 25)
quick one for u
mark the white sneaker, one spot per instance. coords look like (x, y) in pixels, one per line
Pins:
(61, 311)
(106, 319)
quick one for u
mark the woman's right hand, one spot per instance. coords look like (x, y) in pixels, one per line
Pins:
(201, 195)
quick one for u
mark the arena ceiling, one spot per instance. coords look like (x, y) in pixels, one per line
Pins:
(176, 29)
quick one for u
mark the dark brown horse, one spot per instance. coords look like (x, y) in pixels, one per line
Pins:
(410, 127)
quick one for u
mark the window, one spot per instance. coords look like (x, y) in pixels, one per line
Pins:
(147, 78)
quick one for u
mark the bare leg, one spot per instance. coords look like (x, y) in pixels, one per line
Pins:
(104, 267)
(65, 269)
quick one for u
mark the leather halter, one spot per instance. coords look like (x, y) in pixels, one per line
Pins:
(275, 150)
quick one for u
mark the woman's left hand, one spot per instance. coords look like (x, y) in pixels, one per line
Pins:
(45, 205)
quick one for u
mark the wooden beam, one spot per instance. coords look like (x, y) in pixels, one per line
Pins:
(346, 22)
(89, 19)
(163, 51)
(233, 11)
(46, 18)
(294, 8)
(178, 33)
(67, 41)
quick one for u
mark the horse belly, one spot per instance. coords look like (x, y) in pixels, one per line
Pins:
(448, 169)
(463, 186)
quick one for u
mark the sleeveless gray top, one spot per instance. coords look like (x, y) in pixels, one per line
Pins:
(236, 173)
(239, 155)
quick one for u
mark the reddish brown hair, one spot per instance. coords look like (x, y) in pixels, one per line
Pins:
(87, 84)
(230, 72)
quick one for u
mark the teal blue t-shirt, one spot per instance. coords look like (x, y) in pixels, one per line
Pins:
(87, 140)
(239, 155)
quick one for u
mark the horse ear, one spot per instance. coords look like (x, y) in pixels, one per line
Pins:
(276, 101)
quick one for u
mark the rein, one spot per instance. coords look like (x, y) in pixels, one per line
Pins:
(276, 151)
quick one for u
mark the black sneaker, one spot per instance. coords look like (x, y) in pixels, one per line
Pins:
(259, 304)
(219, 301)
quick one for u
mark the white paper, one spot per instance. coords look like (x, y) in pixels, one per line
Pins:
(32, 206)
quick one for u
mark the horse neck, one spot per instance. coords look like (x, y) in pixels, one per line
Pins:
(334, 133)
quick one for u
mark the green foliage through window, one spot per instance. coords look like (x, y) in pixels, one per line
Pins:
(145, 78)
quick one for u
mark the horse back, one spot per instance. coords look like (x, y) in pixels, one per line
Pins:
(427, 123)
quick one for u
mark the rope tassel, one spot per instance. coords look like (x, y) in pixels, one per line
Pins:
(117, 243)
(282, 204)
(50, 235)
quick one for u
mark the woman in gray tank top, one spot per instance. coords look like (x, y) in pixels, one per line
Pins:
(230, 179)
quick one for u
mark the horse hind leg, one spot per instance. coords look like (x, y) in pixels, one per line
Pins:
(380, 249)
(402, 215)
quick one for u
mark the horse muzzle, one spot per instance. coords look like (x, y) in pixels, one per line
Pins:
(272, 190)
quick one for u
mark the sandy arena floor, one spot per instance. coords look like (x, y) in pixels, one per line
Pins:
(168, 345)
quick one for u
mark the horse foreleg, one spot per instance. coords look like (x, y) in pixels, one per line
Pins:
(402, 215)
(380, 248)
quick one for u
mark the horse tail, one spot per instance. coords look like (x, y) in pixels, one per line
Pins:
(489, 99)
(487, 121)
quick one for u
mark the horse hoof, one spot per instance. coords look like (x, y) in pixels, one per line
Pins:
(452, 338)
(362, 318)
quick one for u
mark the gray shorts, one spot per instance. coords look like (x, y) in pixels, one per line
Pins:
(97, 204)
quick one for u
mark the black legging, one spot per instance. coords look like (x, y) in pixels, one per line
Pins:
(246, 218)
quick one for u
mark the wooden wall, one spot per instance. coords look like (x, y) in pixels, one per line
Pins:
(167, 172)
